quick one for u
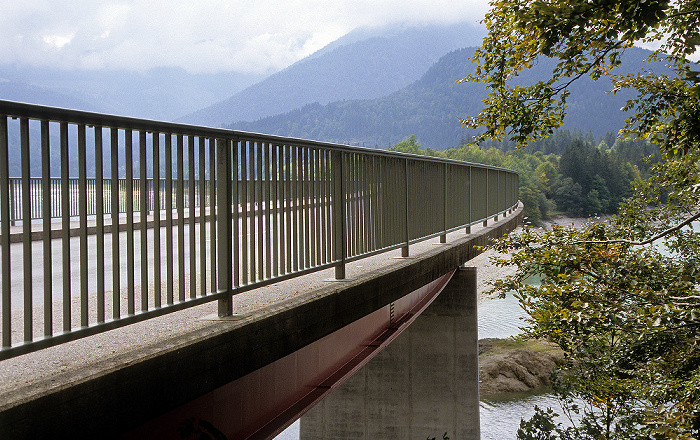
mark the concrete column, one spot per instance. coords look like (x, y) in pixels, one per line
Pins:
(425, 383)
(460, 295)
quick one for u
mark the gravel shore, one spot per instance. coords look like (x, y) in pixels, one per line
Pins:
(487, 272)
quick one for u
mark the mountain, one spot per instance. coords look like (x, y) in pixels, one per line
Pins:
(364, 64)
(161, 93)
(430, 108)
(14, 90)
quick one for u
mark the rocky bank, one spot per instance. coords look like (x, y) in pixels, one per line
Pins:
(507, 366)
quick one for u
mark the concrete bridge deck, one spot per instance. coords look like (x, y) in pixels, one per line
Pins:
(111, 382)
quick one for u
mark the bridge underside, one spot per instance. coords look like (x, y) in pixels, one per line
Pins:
(263, 403)
(283, 354)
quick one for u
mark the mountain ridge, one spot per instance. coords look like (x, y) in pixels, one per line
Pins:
(364, 64)
(163, 93)
(431, 107)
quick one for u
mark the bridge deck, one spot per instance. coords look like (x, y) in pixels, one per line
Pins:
(54, 366)
(25, 377)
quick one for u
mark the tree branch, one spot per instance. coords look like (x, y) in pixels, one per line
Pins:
(648, 240)
(682, 13)
(685, 297)
(557, 89)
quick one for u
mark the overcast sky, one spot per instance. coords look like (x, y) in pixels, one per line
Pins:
(199, 35)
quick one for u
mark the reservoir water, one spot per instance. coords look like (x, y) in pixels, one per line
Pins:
(500, 415)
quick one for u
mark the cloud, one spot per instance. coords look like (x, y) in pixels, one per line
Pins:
(200, 36)
(58, 41)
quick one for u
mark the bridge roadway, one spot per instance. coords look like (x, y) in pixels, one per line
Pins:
(111, 383)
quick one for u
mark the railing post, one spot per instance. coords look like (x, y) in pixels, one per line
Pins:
(13, 215)
(223, 224)
(26, 229)
(443, 237)
(5, 204)
(404, 249)
(46, 222)
(498, 195)
(339, 225)
(486, 219)
(469, 225)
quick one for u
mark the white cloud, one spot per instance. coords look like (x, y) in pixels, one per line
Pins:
(58, 41)
(202, 35)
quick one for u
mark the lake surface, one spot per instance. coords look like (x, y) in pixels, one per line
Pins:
(500, 416)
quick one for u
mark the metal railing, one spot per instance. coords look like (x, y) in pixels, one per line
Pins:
(36, 200)
(236, 211)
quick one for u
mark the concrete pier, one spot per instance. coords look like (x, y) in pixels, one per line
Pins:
(424, 384)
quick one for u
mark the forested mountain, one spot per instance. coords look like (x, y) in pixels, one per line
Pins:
(365, 64)
(431, 107)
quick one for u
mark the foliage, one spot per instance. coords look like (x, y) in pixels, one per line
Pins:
(410, 145)
(587, 38)
(537, 205)
(585, 180)
(626, 314)
(603, 179)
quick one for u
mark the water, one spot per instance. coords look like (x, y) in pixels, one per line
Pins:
(500, 415)
(291, 433)
(500, 418)
(500, 318)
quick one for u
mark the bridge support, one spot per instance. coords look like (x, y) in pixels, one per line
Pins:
(425, 383)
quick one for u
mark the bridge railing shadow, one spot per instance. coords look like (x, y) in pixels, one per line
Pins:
(200, 215)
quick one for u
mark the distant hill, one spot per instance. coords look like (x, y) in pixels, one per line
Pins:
(14, 90)
(162, 94)
(431, 107)
(365, 64)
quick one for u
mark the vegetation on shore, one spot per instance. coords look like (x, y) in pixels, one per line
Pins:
(568, 173)
(626, 314)
(495, 346)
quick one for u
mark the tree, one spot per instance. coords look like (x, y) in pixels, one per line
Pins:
(410, 145)
(587, 38)
(548, 176)
(603, 194)
(626, 314)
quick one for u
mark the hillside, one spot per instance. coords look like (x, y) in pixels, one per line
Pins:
(365, 64)
(163, 94)
(431, 107)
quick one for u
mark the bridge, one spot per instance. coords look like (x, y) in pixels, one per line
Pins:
(111, 226)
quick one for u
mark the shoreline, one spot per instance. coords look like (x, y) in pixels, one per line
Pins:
(487, 271)
(507, 366)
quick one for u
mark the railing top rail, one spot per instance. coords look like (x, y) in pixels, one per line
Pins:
(56, 114)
